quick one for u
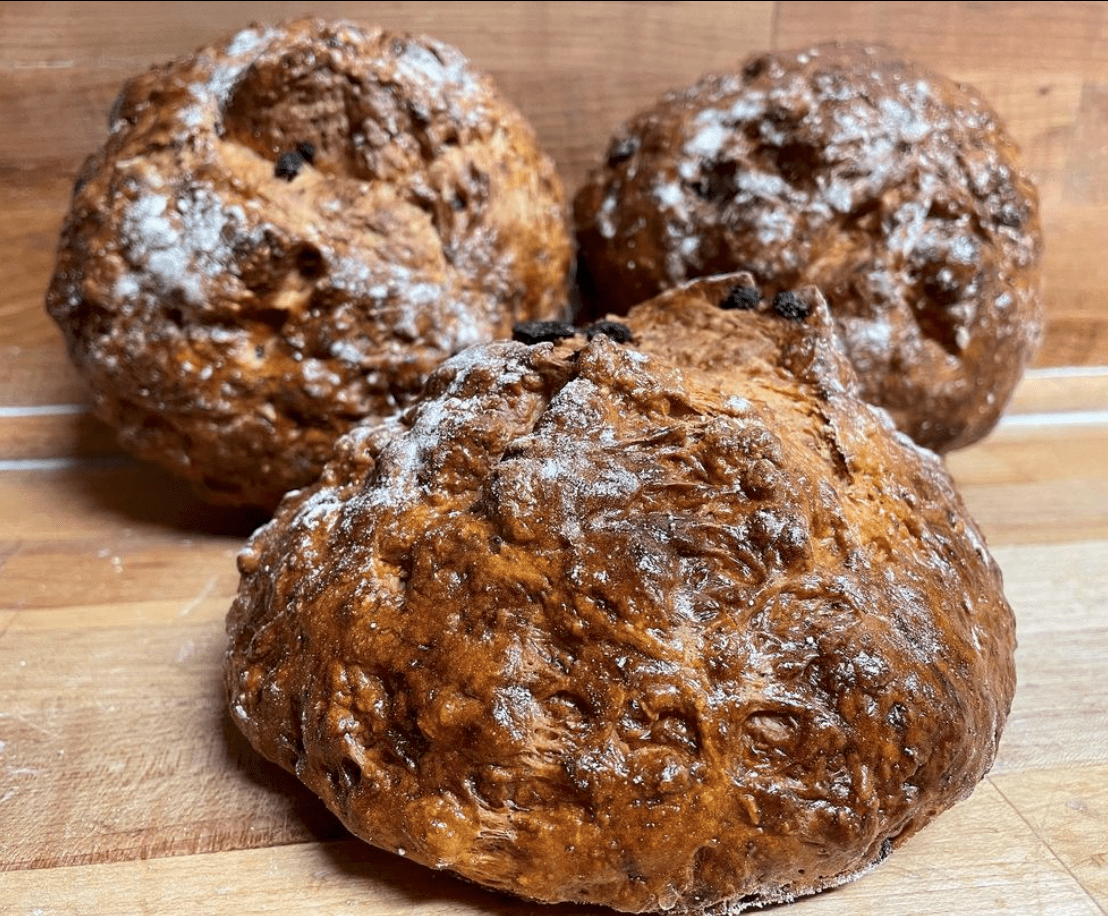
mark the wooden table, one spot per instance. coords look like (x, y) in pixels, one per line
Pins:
(123, 786)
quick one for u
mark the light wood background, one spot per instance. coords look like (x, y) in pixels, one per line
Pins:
(123, 787)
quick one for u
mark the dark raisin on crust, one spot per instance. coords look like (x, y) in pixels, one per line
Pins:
(790, 305)
(533, 332)
(755, 67)
(306, 151)
(622, 150)
(288, 165)
(616, 332)
(741, 297)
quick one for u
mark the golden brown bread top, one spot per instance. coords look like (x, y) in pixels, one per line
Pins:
(895, 191)
(285, 233)
(582, 625)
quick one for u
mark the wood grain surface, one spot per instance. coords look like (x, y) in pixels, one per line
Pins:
(124, 788)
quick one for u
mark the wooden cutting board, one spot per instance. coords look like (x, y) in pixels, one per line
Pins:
(123, 786)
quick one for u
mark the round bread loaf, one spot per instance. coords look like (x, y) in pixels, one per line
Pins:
(894, 190)
(586, 626)
(284, 234)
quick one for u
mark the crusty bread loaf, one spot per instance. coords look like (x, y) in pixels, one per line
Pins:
(894, 190)
(674, 624)
(285, 233)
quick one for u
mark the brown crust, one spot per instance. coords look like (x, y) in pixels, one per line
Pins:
(585, 626)
(892, 189)
(233, 315)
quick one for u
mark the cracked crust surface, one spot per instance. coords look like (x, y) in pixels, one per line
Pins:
(583, 625)
(894, 190)
(284, 234)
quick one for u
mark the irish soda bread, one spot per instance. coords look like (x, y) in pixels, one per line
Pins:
(894, 190)
(284, 234)
(583, 625)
